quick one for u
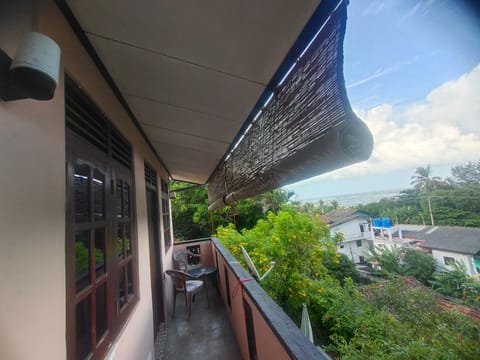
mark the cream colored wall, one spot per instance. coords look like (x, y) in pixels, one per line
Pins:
(32, 213)
(32, 207)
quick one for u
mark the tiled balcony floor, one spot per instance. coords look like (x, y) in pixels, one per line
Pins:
(208, 334)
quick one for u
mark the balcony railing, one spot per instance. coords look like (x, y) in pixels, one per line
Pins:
(261, 328)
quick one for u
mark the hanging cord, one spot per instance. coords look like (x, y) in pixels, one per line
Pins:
(234, 215)
(212, 225)
(240, 286)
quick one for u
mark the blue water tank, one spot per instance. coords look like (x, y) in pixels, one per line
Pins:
(377, 222)
(386, 222)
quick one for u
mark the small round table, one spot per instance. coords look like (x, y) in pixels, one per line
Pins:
(203, 272)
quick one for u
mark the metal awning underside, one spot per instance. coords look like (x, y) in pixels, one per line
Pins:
(194, 73)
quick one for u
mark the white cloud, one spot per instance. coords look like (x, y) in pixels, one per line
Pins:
(382, 72)
(421, 7)
(374, 8)
(443, 129)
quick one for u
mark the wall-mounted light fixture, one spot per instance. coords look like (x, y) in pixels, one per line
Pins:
(34, 71)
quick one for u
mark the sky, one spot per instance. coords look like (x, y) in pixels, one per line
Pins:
(412, 72)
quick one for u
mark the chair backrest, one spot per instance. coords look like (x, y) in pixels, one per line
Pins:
(179, 279)
(180, 259)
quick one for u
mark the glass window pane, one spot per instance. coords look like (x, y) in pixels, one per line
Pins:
(127, 242)
(101, 307)
(130, 280)
(126, 200)
(83, 329)
(120, 244)
(100, 254)
(118, 199)
(122, 300)
(98, 195)
(82, 198)
(82, 260)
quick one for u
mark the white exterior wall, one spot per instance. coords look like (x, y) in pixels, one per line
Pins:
(351, 229)
(351, 232)
(467, 259)
(32, 207)
(353, 252)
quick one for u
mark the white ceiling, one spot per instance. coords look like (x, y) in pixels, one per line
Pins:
(191, 70)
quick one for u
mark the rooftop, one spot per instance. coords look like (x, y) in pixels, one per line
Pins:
(339, 216)
(453, 238)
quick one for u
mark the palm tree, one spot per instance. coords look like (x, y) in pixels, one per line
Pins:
(334, 204)
(272, 200)
(425, 183)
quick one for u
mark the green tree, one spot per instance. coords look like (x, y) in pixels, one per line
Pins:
(274, 199)
(334, 204)
(419, 265)
(425, 183)
(191, 218)
(467, 174)
(389, 260)
(400, 262)
(297, 242)
(387, 320)
(457, 283)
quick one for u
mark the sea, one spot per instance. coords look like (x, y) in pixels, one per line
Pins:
(352, 200)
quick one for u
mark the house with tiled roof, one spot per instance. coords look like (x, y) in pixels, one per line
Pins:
(355, 227)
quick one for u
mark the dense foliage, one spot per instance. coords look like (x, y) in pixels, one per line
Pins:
(192, 220)
(453, 282)
(387, 320)
(453, 201)
(402, 262)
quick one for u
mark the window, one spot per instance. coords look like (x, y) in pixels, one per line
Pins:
(166, 214)
(447, 260)
(101, 265)
(359, 243)
(342, 246)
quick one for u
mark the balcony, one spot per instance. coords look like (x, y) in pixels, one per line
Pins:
(242, 322)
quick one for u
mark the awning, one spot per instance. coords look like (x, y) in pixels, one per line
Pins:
(307, 128)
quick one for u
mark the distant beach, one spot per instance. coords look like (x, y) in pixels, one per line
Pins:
(349, 200)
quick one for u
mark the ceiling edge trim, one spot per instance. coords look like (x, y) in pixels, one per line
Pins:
(82, 37)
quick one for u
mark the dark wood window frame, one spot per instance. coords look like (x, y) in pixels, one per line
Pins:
(101, 245)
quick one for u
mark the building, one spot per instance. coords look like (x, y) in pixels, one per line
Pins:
(445, 243)
(145, 92)
(355, 227)
(386, 235)
(448, 244)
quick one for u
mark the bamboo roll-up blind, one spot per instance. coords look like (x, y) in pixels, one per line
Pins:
(307, 129)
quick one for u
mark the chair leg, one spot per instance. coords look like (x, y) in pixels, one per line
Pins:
(174, 302)
(206, 290)
(189, 305)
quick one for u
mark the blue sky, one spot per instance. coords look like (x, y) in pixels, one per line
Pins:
(412, 71)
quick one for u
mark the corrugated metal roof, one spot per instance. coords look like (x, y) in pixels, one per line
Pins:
(451, 238)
